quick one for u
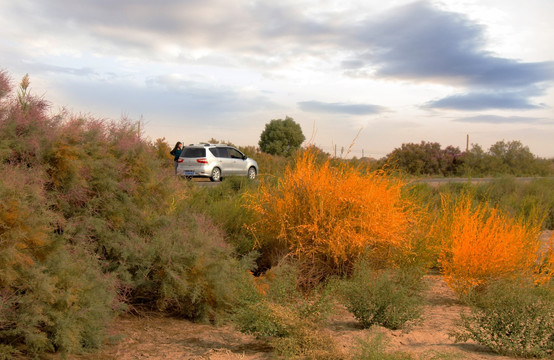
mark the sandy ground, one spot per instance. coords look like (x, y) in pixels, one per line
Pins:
(157, 337)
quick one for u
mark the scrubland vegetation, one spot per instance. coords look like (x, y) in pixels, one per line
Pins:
(94, 224)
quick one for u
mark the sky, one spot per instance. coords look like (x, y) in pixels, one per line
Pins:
(360, 77)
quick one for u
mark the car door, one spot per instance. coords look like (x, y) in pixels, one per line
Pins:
(227, 164)
(238, 162)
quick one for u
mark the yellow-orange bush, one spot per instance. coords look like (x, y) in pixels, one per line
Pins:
(480, 244)
(327, 216)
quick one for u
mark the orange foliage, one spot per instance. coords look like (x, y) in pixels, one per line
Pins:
(480, 244)
(21, 241)
(327, 216)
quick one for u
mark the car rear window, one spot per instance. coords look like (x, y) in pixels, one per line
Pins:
(193, 152)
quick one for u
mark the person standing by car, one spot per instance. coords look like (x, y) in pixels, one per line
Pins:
(176, 152)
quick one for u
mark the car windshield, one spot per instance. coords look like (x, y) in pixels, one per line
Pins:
(193, 152)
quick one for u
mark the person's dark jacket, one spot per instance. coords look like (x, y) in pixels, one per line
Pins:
(176, 153)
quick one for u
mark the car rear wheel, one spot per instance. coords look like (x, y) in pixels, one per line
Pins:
(252, 173)
(216, 175)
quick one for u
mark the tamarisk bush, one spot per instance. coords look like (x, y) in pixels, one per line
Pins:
(92, 221)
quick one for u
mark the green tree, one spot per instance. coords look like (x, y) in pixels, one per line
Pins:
(426, 158)
(281, 137)
(512, 158)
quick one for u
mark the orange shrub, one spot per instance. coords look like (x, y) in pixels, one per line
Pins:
(327, 216)
(480, 244)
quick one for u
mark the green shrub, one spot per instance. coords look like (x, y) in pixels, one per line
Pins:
(187, 269)
(91, 216)
(289, 319)
(512, 317)
(388, 298)
(224, 204)
(519, 199)
(53, 296)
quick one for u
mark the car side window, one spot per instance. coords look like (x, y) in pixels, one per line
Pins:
(235, 154)
(223, 152)
(220, 152)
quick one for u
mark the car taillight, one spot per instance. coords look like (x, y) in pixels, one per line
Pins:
(202, 161)
(180, 160)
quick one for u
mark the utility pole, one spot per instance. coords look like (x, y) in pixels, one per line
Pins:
(467, 143)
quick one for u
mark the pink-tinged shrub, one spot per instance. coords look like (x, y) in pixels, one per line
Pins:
(90, 216)
(51, 295)
(5, 85)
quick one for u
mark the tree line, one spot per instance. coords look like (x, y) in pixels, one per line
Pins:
(502, 158)
(284, 137)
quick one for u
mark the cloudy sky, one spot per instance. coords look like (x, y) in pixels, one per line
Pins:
(402, 71)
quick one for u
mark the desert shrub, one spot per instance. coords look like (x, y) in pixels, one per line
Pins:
(271, 167)
(512, 317)
(52, 296)
(25, 128)
(188, 270)
(92, 217)
(389, 298)
(481, 244)
(521, 199)
(224, 204)
(290, 319)
(512, 197)
(325, 217)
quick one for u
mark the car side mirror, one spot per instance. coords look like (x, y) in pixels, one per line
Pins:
(244, 157)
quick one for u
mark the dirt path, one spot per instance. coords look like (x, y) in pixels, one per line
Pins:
(431, 334)
(157, 337)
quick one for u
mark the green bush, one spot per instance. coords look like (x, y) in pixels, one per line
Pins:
(224, 204)
(290, 320)
(53, 296)
(92, 219)
(388, 298)
(512, 317)
(187, 269)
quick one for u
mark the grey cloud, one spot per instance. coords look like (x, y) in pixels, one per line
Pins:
(421, 42)
(481, 100)
(495, 119)
(340, 108)
(417, 41)
(191, 96)
(243, 29)
(83, 71)
(164, 97)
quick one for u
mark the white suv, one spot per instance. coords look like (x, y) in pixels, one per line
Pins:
(215, 162)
